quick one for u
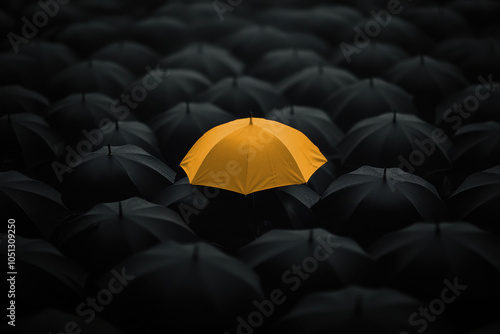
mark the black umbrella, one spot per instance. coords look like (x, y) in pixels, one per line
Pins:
(474, 104)
(312, 122)
(185, 288)
(478, 12)
(78, 114)
(178, 128)
(477, 199)
(312, 86)
(36, 206)
(27, 140)
(109, 233)
(357, 310)
(112, 174)
(18, 69)
(396, 140)
(439, 22)
(45, 278)
(131, 55)
(17, 99)
(231, 219)
(88, 37)
(364, 99)
(167, 89)
(477, 147)
(305, 261)
(94, 76)
(49, 320)
(371, 61)
(213, 62)
(323, 176)
(424, 259)
(277, 65)
(130, 133)
(474, 56)
(241, 96)
(163, 34)
(428, 80)
(369, 202)
(211, 29)
(397, 31)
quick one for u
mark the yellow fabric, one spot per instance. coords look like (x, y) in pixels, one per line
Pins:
(252, 154)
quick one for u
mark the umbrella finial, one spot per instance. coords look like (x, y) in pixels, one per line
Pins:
(109, 150)
(235, 81)
(251, 118)
(292, 110)
(394, 116)
(117, 126)
(311, 236)
(371, 81)
(188, 107)
(438, 229)
(196, 252)
(120, 209)
(385, 174)
(422, 59)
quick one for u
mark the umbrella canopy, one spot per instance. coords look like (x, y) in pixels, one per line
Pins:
(109, 233)
(370, 202)
(277, 65)
(371, 61)
(252, 154)
(213, 62)
(477, 147)
(232, 220)
(50, 319)
(312, 122)
(243, 95)
(396, 140)
(62, 280)
(356, 310)
(94, 76)
(186, 288)
(428, 80)
(313, 85)
(130, 133)
(477, 199)
(77, 113)
(17, 99)
(367, 98)
(88, 37)
(399, 32)
(178, 128)
(27, 140)
(420, 258)
(131, 55)
(162, 34)
(439, 22)
(332, 262)
(480, 103)
(170, 87)
(475, 57)
(37, 207)
(112, 174)
(19, 69)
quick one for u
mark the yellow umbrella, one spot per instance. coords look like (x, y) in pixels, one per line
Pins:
(252, 154)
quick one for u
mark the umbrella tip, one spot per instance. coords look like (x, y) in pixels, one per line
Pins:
(371, 81)
(196, 252)
(438, 229)
(109, 150)
(311, 236)
(120, 209)
(117, 126)
(422, 59)
(394, 116)
(188, 107)
(292, 110)
(385, 174)
(251, 118)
